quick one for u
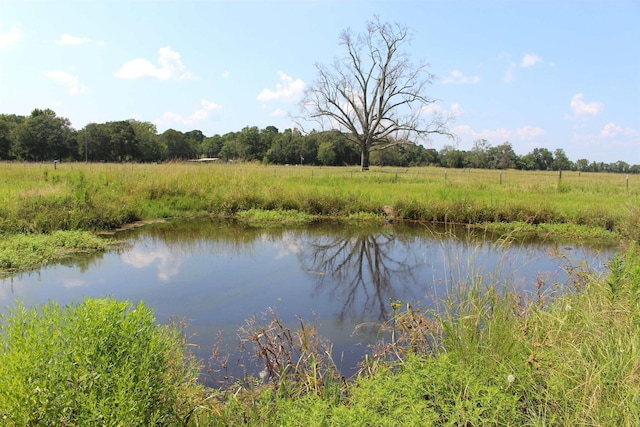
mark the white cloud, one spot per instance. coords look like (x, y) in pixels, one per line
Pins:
(529, 60)
(500, 134)
(287, 91)
(169, 265)
(171, 67)
(457, 77)
(70, 81)
(456, 109)
(285, 246)
(509, 75)
(434, 109)
(199, 115)
(529, 132)
(583, 109)
(69, 39)
(225, 74)
(74, 283)
(278, 112)
(12, 37)
(611, 130)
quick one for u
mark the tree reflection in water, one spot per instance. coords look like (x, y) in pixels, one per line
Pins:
(363, 270)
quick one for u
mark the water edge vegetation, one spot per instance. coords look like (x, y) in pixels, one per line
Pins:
(488, 357)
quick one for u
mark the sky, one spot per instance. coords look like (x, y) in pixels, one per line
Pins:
(534, 73)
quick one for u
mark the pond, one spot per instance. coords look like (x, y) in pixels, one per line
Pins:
(219, 273)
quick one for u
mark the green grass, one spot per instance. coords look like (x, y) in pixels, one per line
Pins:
(485, 357)
(279, 217)
(98, 362)
(36, 198)
(20, 252)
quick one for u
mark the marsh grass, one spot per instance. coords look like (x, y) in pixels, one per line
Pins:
(487, 356)
(19, 252)
(270, 218)
(36, 198)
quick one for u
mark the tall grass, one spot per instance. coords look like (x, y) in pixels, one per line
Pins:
(21, 252)
(486, 357)
(98, 362)
(37, 198)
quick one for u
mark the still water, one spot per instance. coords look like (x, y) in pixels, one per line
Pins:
(218, 273)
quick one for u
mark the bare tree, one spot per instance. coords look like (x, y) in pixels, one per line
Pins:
(375, 94)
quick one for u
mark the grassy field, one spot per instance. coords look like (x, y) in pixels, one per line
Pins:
(39, 198)
(487, 358)
(44, 198)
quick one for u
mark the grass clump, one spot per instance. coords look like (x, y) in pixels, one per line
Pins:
(282, 217)
(99, 362)
(28, 251)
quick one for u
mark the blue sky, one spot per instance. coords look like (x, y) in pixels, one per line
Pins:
(549, 74)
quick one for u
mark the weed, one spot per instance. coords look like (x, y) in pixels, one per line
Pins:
(99, 362)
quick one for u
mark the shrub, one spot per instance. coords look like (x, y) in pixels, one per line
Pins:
(99, 362)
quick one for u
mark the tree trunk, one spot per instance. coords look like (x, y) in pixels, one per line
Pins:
(364, 160)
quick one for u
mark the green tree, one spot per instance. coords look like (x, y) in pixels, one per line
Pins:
(451, 157)
(418, 155)
(211, 146)
(250, 138)
(479, 156)
(388, 157)
(123, 141)
(267, 137)
(582, 165)
(345, 152)
(561, 161)
(178, 145)
(196, 136)
(502, 156)
(43, 136)
(326, 154)
(151, 148)
(95, 143)
(374, 93)
(620, 166)
(542, 158)
(8, 122)
(233, 148)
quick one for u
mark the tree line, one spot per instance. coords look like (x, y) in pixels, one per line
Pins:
(45, 136)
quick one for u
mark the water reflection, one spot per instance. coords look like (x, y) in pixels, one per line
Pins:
(373, 266)
(219, 273)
